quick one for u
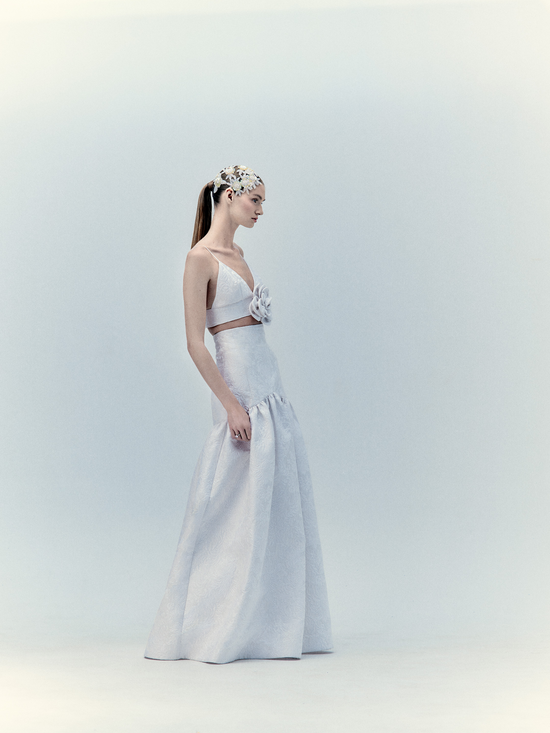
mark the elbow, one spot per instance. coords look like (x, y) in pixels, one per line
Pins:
(194, 347)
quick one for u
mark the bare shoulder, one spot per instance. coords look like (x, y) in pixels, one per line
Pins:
(198, 257)
(199, 264)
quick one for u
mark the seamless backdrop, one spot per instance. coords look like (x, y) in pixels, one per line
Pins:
(405, 242)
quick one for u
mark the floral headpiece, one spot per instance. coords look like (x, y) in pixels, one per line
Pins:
(238, 177)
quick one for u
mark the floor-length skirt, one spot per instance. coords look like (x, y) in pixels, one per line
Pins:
(247, 580)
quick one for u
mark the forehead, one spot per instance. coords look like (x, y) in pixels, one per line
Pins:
(258, 191)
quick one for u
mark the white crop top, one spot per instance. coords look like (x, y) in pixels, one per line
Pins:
(233, 296)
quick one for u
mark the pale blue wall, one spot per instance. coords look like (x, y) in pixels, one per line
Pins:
(405, 242)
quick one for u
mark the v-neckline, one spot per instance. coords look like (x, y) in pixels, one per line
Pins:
(240, 276)
(235, 271)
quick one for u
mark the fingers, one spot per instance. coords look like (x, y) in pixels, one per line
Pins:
(244, 433)
(239, 424)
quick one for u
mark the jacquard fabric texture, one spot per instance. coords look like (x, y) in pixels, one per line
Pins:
(233, 296)
(247, 580)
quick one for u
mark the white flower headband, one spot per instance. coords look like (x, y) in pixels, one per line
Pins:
(239, 177)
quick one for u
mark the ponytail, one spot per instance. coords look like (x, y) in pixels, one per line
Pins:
(203, 219)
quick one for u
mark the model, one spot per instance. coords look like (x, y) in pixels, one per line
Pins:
(247, 581)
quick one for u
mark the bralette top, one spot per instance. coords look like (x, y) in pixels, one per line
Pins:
(234, 298)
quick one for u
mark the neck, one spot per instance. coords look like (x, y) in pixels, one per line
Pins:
(222, 230)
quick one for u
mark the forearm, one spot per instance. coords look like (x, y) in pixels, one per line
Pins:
(211, 374)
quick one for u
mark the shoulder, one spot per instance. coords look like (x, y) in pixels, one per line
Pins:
(199, 261)
(198, 253)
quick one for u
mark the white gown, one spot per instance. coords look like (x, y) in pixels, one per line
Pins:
(247, 580)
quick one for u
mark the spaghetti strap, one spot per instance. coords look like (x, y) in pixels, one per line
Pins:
(213, 255)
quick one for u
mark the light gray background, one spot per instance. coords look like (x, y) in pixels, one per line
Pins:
(405, 242)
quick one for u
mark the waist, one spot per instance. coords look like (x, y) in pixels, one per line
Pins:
(237, 323)
(247, 363)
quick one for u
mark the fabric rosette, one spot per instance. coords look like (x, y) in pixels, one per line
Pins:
(260, 307)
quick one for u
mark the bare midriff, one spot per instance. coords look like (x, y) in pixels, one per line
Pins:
(245, 321)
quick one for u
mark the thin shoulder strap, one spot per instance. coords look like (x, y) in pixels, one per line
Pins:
(213, 255)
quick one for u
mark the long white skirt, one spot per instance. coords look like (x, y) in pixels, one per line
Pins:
(247, 580)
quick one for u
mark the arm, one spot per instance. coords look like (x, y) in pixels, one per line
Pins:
(198, 270)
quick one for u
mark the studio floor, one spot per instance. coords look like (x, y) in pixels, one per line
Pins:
(458, 686)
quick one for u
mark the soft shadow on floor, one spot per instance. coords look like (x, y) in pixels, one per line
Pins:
(365, 685)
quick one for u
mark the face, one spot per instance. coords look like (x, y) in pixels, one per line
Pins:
(247, 208)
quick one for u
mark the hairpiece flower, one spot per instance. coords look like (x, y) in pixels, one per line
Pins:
(238, 177)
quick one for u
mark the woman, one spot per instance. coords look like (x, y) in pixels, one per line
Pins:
(247, 580)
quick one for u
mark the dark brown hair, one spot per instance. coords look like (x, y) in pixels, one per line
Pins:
(203, 219)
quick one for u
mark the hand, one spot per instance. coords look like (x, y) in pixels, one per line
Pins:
(239, 423)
